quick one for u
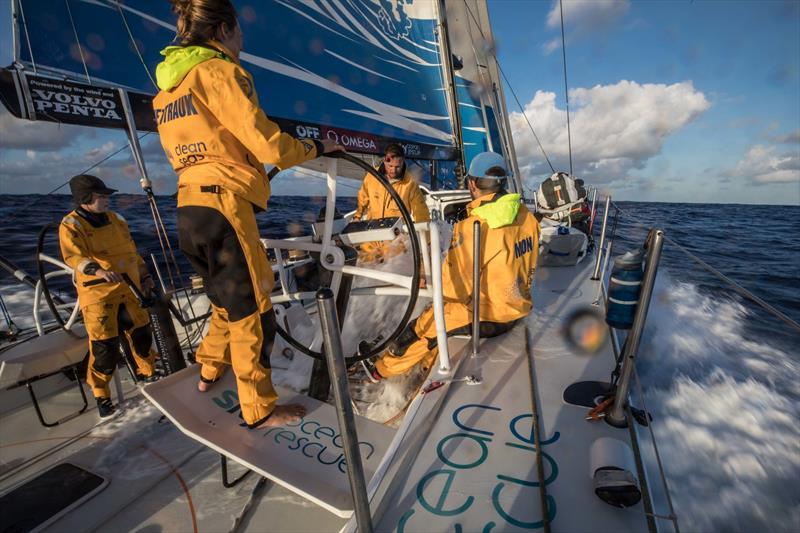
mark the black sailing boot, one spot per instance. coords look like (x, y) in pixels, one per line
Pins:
(105, 407)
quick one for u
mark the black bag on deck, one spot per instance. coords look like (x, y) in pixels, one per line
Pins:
(560, 190)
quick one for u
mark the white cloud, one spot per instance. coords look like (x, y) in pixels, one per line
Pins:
(764, 165)
(29, 135)
(615, 128)
(583, 17)
(789, 138)
(95, 154)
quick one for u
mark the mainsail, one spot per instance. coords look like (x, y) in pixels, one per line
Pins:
(362, 72)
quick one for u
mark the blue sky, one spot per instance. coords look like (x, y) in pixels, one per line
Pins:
(670, 101)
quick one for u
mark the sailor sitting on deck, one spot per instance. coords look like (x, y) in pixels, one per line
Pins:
(509, 250)
(374, 201)
(97, 244)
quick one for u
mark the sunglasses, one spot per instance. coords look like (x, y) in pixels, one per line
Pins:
(393, 159)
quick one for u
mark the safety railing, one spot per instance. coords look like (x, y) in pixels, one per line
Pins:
(620, 413)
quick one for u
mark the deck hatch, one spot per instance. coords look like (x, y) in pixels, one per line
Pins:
(43, 499)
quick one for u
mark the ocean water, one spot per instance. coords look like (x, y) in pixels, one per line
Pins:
(720, 374)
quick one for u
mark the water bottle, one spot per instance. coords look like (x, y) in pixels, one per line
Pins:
(623, 290)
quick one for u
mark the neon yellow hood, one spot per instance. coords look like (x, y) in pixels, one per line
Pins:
(499, 213)
(179, 60)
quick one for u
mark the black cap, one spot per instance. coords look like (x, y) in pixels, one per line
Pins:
(83, 185)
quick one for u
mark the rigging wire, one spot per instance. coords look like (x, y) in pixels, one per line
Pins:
(34, 202)
(78, 41)
(736, 287)
(135, 46)
(27, 35)
(513, 93)
(566, 85)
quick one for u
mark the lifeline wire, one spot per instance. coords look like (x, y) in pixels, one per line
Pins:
(31, 204)
(514, 94)
(734, 285)
(672, 516)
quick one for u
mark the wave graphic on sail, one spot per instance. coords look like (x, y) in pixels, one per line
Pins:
(336, 63)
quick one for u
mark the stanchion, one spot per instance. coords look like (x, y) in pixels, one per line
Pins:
(344, 408)
(476, 287)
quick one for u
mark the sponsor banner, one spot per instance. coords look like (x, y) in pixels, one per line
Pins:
(74, 103)
(69, 102)
(82, 104)
(363, 143)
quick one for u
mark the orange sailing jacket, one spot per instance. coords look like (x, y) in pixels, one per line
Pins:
(509, 251)
(374, 199)
(212, 128)
(110, 246)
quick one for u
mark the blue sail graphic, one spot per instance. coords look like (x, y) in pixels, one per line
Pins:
(358, 70)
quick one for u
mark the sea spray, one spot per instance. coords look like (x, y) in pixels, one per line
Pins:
(726, 413)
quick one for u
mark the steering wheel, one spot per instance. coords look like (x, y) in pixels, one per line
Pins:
(367, 350)
(41, 259)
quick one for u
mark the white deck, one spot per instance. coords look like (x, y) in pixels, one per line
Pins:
(42, 355)
(476, 468)
(469, 464)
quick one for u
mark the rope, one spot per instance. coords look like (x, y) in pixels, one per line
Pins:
(514, 94)
(34, 202)
(77, 41)
(135, 46)
(733, 284)
(537, 444)
(566, 86)
(27, 36)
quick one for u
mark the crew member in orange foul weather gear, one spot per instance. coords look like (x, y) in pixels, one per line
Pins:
(374, 201)
(217, 139)
(97, 245)
(509, 251)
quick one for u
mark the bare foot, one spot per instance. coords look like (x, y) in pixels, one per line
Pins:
(284, 414)
(202, 386)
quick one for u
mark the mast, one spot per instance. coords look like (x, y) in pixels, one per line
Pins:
(447, 64)
(499, 96)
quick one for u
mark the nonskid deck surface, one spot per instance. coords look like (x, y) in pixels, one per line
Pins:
(476, 469)
(305, 457)
(159, 479)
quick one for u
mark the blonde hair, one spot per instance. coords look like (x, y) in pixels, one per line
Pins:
(198, 20)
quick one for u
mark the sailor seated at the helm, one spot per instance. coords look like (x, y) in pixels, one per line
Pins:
(509, 251)
(374, 201)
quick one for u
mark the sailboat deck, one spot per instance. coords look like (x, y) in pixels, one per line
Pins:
(476, 469)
